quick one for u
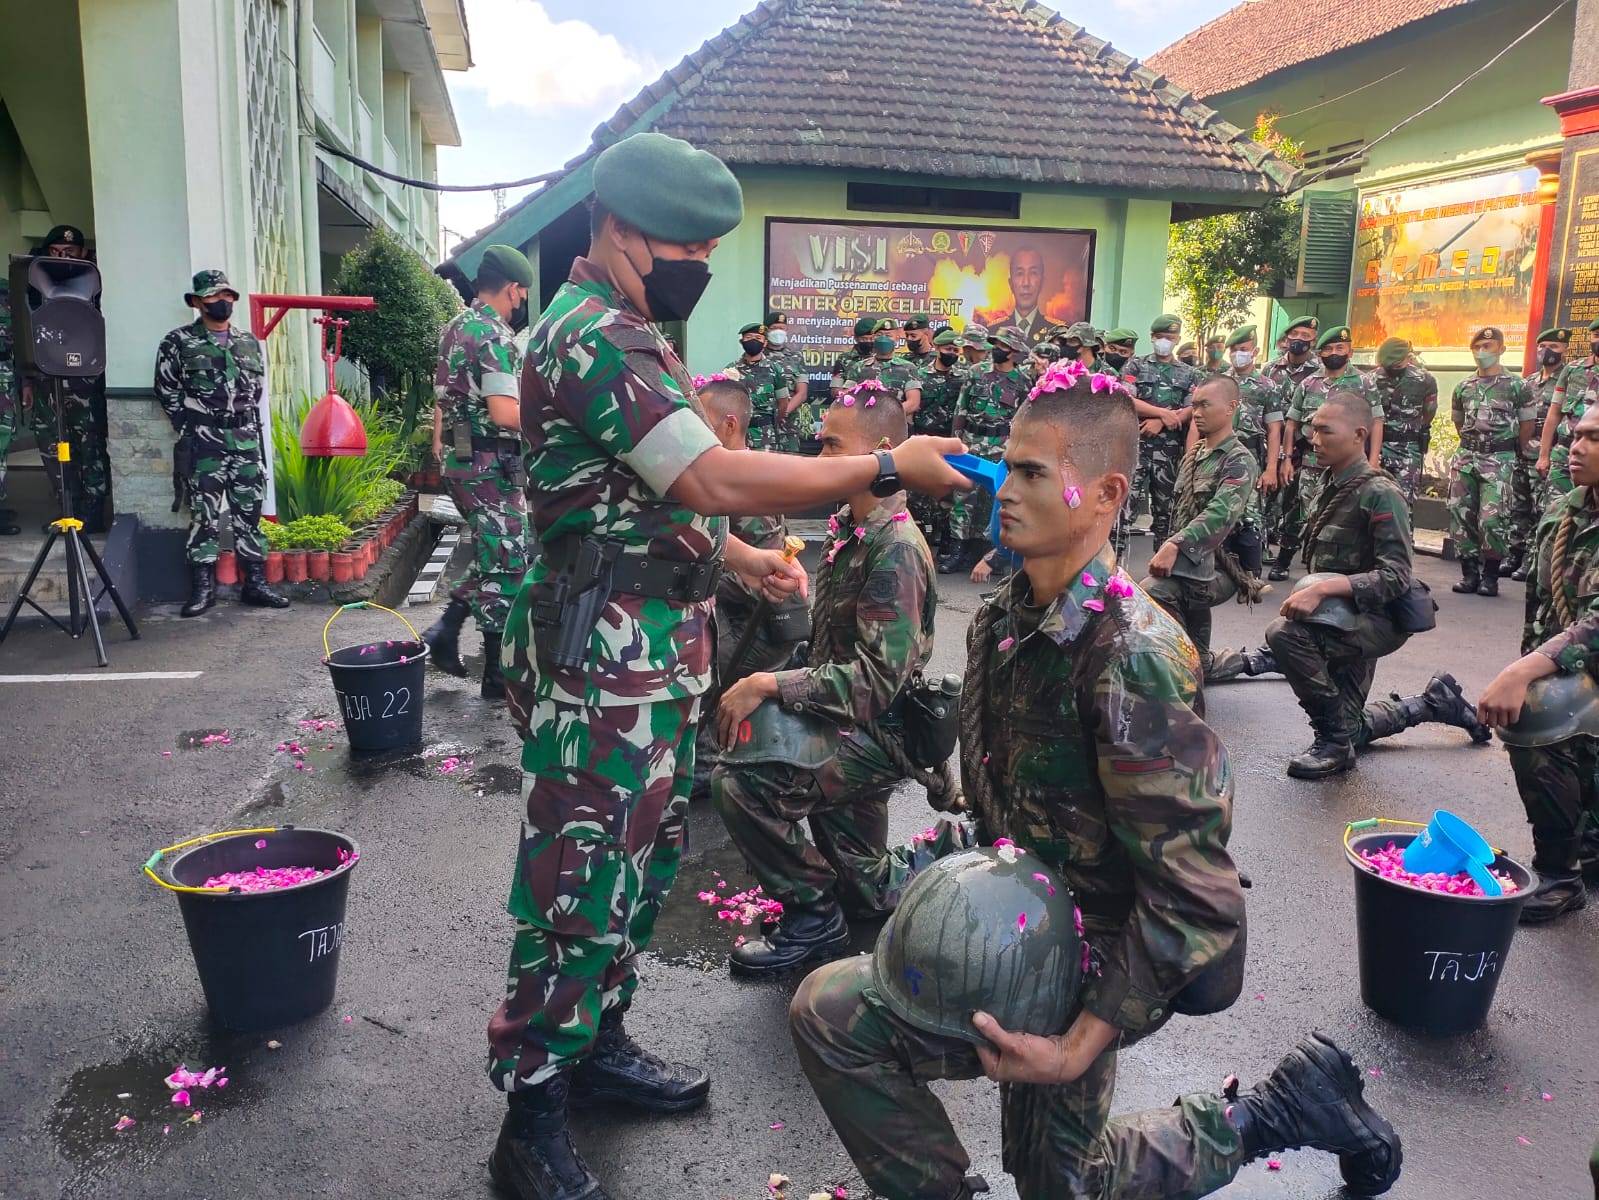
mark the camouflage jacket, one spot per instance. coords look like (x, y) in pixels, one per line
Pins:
(1287, 375)
(941, 393)
(897, 375)
(1576, 647)
(770, 384)
(1542, 390)
(1164, 384)
(923, 363)
(477, 359)
(1363, 531)
(1261, 403)
(736, 605)
(1490, 408)
(1215, 485)
(1097, 762)
(791, 358)
(611, 421)
(872, 622)
(199, 379)
(842, 365)
(1576, 391)
(987, 404)
(1307, 398)
(1409, 402)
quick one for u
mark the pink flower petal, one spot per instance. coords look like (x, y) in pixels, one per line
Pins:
(902, 516)
(1375, 1072)
(1003, 842)
(124, 1122)
(1073, 495)
(1007, 643)
(1021, 921)
(860, 531)
(775, 1125)
(348, 1020)
(1089, 580)
(1274, 1164)
(1094, 604)
(260, 843)
(1546, 1097)
(1521, 1141)
(181, 1098)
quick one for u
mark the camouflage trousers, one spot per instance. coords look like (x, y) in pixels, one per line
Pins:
(606, 792)
(227, 472)
(1190, 602)
(1558, 481)
(495, 509)
(937, 518)
(764, 433)
(970, 512)
(1480, 503)
(1331, 671)
(870, 1071)
(91, 466)
(1524, 510)
(1560, 793)
(1404, 461)
(1301, 503)
(1159, 458)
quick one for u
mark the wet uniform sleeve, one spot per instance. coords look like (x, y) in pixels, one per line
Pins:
(888, 616)
(1388, 518)
(1210, 527)
(169, 378)
(1168, 800)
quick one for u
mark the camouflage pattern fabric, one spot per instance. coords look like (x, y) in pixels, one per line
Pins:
(897, 374)
(1490, 410)
(1527, 483)
(872, 629)
(1409, 403)
(1576, 390)
(1165, 385)
(1261, 405)
(477, 359)
(1306, 398)
(941, 391)
(801, 423)
(606, 794)
(10, 390)
(611, 424)
(1287, 376)
(770, 386)
(988, 402)
(1557, 785)
(211, 388)
(82, 400)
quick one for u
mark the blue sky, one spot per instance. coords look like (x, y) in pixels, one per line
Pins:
(548, 71)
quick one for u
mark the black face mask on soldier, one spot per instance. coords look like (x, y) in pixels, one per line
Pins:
(674, 286)
(752, 346)
(1593, 349)
(948, 357)
(218, 310)
(1550, 357)
(1115, 359)
(1298, 346)
(1334, 362)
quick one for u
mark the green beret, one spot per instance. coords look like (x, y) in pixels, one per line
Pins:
(946, 337)
(1594, 328)
(776, 318)
(752, 327)
(1338, 333)
(1488, 333)
(1166, 323)
(918, 321)
(668, 190)
(1121, 336)
(1187, 346)
(508, 263)
(1244, 333)
(1393, 352)
(866, 325)
(1010, 338)
(1308, 322)
(1555, 335)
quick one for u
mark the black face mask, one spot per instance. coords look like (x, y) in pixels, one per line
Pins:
(1001, 356)
(1593, 349)
(1394, 372)
(1116, 360)
(1298, 346)
(752, 347)
(674, 286)
(1550, 357)
(864, 349)
(518, 321)
(948, 357)
(218, 310)
(1335, 362)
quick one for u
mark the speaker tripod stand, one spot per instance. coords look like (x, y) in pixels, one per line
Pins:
(82, 599)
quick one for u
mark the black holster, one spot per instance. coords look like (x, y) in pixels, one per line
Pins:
(184, 456)
(566, 607)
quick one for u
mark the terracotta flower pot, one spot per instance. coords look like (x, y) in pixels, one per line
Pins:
(317, 565)
(274, 566)
(295, 568)
(362, 565)
(227, 568)
(341, 566)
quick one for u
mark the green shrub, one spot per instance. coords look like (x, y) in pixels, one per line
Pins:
(381, 495)
(398, 344)
(334, 486)
(276, 534)
(314, 533)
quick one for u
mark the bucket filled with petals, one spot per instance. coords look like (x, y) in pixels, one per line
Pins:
(1432, 945)
(264, 910)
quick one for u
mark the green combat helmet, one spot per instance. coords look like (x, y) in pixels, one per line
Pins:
(988, 929)
(1557, 707)
(772, 734)
(1337, 611)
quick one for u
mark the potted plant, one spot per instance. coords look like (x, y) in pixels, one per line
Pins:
(315, 537)
(341, 566)
(227, 568)
(273, 532)
(295, 569)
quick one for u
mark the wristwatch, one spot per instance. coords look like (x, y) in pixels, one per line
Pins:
(887, 481)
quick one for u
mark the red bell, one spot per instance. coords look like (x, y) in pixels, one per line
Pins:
(332, 429)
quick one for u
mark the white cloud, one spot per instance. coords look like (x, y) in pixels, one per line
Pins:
(525, 59)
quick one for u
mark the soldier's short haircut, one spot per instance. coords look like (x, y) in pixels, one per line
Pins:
(489, 279)
(884, 418)
(1222, 383)
(727, 398)
(1101, 428)
(1353, 404)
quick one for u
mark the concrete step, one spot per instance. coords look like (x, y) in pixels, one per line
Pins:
(50, 589)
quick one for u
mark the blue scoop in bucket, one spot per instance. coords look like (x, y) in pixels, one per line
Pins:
(1449, 845)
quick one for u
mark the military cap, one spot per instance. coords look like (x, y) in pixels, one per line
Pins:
(946, 337)
(508, 263)
(1393, 352)
(1187, 346)
(1555, 335)
(1244, 333)
(918, 321)
(1050, 333)
(666, 189)
(776, 318)
(866, 325)
(1594, 326)
(1010, 338)
(975, 336)
(1338, 333)
(1087, 333)
(1166, 323)
(1307, 321)
(1121, 336)
(1488, 333)
(752, 327)
(64, 235)
(209, 283)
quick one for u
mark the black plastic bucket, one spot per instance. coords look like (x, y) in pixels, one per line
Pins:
(1430, 961)
(381, 688)
(266, 959)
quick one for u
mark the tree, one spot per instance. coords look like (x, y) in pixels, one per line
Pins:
(1217, 265)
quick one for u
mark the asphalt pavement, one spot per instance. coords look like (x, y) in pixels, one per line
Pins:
(385, 1095)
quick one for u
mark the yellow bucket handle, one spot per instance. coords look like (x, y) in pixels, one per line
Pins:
(327, 651)
(150, 863)
(1372, 822)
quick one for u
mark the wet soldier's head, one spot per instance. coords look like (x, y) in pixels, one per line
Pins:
(1338, 429)
(727, 408)
(862, 420)
(1584, 463)
(1214, 401)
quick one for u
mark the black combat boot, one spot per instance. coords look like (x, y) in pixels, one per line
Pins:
(1446, 704)
(1314, 1101)
(256, 590)
(956, 558)
(803, 935)
(534, 1158)
(1330, 753)
(493, 679)
(1260, 661)
(202, 589)
(8, 523)
(617, 1071)
(1470, 578)
(1512, 562)
(1589, 854)
(1521, 572)
(443, 638)
(1488, 585)
(1560, 887)
(1279, 569)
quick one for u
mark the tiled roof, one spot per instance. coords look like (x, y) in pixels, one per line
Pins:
(1258, 37)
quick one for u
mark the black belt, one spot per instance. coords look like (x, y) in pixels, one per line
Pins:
(683, 581)
(496, 445)
(1403, 438)
(1483, 444)
(230, 420)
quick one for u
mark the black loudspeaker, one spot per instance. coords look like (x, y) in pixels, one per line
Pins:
(55, 311)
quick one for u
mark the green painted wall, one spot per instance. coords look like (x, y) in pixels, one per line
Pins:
(1129, 253)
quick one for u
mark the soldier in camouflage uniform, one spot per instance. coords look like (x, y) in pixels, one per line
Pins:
(476, 415)
(1576, 389)
(1162, 384)
(771, 390)
(1409, 398)
(1550, 357)
(894, 371)
(1297, 363)
(1493, 413)
(919, 342)
(988, 400)
(1337, 373)
(1332, 630)
(607, 650)
(942, 380)
(1559, 781)
(209, 378)
(1215, 492)
(1114, 359)
(1082, 745)
(975, 348)
(1259, 425)
(798, 424)
(866, 331)
(10, 406)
